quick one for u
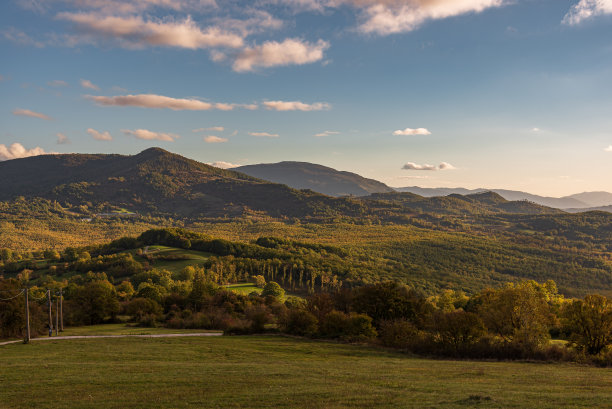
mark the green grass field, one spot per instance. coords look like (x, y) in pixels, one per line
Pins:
(277, 372)
(243, 288)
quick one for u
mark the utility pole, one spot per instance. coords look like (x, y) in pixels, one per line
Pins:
(26, 340)
(56, 315)
(61, 307)
(50, 317)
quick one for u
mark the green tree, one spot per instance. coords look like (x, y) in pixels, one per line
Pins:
(590, 323)
(273, 289)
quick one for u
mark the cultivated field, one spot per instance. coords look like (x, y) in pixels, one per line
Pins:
(277, 372)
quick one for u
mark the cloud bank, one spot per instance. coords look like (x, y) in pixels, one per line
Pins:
(224, 165)
(295, 106)
(214, 139)
(99, 136)
(410, 131)
(264, 134)
(31, 114)
(291, 51)
(159, 102)
(150, 135)
(586, 9)
(17, 150)
(415, 166)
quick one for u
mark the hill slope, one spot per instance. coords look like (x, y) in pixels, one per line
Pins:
(322, 179)
(567, 202)
(157, 181)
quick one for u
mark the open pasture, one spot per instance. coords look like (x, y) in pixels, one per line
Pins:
(278, 372)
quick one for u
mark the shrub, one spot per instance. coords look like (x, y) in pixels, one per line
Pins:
(398, 333)
(273, 289)
(299, 322)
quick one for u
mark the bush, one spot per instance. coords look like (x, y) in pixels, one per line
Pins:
(354, 327)
(300, 322)
(273, 289)
(398, 333)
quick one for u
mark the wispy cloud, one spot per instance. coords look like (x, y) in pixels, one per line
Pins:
(31, 114)
(62, 139)
(150, 135)
(292, 51)
(214, 139)
(295, 106)
(384, 17)
(212, 128)
(608, 149)
(587, 9)
(17, 150)
(264, 134)
(326, 133)
(410, 131)
(415, 166)
(135, 32)
(19, 37)
(100, 136)
(88, 84)
(57, 83)
(224, 165)
(159, 102)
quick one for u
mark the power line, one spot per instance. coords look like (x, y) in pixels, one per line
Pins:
(12, 298)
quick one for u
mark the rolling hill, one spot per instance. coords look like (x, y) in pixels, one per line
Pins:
(159, 182)
(322, 179)
(579, 201)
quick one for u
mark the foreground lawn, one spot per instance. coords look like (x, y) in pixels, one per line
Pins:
(277, 372)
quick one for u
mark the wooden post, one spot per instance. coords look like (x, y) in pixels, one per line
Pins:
(61, 306)
(50, 317)
(56, 315)
(26, 340)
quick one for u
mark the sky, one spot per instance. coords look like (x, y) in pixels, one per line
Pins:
(513, 94)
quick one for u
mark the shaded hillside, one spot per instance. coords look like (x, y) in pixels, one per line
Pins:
(322, 179)
(567, 202)
(159, 182)
(455, 204)
(594, 199)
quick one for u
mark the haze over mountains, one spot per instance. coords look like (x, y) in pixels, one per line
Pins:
(329, 181)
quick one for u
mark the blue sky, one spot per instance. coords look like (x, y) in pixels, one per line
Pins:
(512, 94)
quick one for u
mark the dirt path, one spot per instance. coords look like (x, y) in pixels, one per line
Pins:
(200, 334)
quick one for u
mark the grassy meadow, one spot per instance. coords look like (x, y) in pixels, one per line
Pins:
(277, 372)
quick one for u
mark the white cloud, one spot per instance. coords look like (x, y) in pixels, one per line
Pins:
(264, 134)
(410, 131)
(100, 136)
(224, 165)
(586, 9)
(17, 150)
(150, 135)
(62, 139)
(326, 133)
(31, 114)
(212, 128)
(608, 149)
(57, 83)
(214, 139)
(89, 84)
(133, 31)
(159, 101)
(291, 51)
(536, 130)
(384, 17)
(295, 106)
(415, 166)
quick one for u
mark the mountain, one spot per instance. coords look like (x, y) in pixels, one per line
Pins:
(594, 199)
(566, 202)
(159, 182)
(322, 179)
(455, 204)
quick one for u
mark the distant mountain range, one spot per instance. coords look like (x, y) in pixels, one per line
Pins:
(322, 179)
(577, 202)
(157, 182)
(329, 181)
